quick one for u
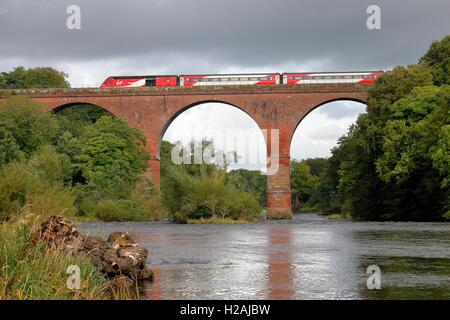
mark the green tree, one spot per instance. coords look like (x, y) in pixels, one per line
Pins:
(111, 156)
(25, 125)
(42, 77)
(303, 183)
(251, 181)
(392, 163)
(438, 60)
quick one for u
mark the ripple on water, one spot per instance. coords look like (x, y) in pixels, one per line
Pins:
(308, 257)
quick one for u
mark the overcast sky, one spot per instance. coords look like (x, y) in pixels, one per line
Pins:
(221, 36)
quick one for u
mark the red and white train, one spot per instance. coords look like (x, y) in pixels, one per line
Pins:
(364, 77)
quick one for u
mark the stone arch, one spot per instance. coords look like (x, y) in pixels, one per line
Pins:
(179, 111)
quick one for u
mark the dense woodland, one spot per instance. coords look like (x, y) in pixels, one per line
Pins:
(393, 164)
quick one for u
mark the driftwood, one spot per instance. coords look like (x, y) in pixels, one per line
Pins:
(120, 258)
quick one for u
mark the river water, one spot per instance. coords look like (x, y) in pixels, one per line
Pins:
(309, 257)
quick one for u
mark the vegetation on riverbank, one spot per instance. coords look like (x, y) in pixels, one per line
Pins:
(80, 162)
(205, 191)
(33, 271)
(394, 163)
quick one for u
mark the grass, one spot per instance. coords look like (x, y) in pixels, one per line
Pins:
(217, 220)
(32, 271)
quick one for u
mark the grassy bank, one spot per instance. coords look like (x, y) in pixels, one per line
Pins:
(33, 271)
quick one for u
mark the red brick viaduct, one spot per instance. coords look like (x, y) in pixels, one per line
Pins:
(152, 109)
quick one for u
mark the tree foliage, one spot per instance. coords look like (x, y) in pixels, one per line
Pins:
(79, 161)
(41, 77)
(393, 164)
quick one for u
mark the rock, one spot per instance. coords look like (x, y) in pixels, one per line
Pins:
(120, 257)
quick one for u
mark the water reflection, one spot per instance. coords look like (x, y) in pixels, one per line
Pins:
(280, 284)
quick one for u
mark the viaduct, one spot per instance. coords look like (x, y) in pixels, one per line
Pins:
(275, 109)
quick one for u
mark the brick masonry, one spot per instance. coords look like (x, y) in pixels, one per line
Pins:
(152, 109)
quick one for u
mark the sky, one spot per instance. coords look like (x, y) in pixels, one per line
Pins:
(222, 36)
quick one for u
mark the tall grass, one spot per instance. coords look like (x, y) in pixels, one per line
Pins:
(34, 271)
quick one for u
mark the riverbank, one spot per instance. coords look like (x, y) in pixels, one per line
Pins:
(50, 260)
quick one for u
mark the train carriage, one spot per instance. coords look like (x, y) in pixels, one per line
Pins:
(229, 79)
(364, 77)
(141, 81)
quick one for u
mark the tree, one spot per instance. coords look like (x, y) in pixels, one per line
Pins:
(392, 164)
(251, 181)
(111, 156)
(25, 126)
(303, 183)
(438, 60)
(75, 118)
(42, 77)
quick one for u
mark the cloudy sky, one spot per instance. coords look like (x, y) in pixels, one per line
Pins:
(222, 36)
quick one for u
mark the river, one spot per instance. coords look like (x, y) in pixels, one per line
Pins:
(309, 257)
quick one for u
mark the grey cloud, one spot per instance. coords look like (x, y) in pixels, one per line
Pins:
(249, 34)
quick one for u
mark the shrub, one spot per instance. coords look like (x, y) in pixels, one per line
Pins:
(34, 184)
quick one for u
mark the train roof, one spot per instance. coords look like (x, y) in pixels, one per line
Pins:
(315, 72)
(238, 74)
(227, 74)
(143, 76)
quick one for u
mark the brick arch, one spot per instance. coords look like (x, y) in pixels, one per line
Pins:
(72, 104)
(182, 109)
(59, 106)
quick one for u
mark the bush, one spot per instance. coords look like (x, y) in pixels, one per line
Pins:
(27, 124)
(36, 185)
(206, 195)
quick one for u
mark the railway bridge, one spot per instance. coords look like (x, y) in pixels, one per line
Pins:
(277, 110)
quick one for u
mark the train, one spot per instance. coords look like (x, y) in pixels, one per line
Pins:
(293, 78)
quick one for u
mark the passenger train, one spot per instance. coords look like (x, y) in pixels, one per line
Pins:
(363, 77)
